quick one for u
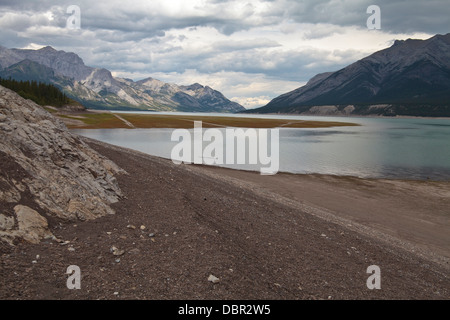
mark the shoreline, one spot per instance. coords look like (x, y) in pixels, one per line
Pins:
(278, 114)
(178, 224)
(348, 116)
(273, 114)
(357, 220)
(287, 172)
(110, 120)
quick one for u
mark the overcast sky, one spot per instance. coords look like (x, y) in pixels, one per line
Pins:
(252, 51)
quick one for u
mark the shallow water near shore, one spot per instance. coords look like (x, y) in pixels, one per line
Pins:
(394, 148)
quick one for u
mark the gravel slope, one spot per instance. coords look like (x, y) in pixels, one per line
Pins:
(197, 225)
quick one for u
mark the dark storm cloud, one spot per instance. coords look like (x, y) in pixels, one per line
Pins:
(397, 16)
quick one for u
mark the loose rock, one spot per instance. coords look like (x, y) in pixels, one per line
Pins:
(116, 251)
(213, 279)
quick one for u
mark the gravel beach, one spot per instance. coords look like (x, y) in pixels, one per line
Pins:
(195, 232)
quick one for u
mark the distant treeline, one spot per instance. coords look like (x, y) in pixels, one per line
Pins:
(41, 93)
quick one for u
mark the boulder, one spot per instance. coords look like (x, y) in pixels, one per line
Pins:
(31, 225)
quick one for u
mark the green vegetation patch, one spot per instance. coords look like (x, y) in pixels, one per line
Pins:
(95, 120)
(179, 121)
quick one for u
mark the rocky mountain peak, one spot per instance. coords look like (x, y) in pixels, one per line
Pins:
(67, 64)
(409, 74)
(47, 49)
(194, 87)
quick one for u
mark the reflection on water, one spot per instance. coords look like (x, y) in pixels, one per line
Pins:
(379, 148)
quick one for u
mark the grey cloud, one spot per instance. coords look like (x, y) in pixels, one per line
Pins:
(411, 16)
(232, 45)
(323, 30)
(120, 37)
(397, 16)
(279, 64)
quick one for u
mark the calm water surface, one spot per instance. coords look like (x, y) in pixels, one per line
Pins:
(406, 148)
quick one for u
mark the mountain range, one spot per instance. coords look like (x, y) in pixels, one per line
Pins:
(96, 88)
(412, 77)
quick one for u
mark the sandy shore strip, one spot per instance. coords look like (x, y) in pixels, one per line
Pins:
(295, 237)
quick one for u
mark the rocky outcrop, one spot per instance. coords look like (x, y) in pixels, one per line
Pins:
(45, 171)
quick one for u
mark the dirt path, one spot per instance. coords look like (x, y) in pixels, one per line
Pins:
(128, 123)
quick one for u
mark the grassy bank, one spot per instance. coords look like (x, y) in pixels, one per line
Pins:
(106, 120)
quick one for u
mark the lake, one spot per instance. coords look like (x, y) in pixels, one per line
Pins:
(396, 148)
